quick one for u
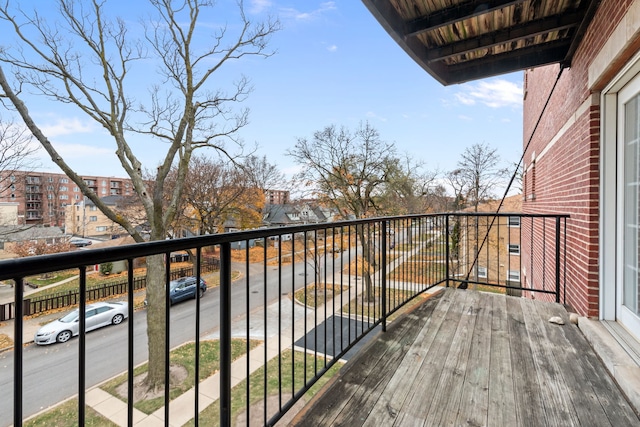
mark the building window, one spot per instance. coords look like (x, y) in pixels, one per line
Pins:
(76, 189)
(77, 197)
(50, 196)
(101, 228)
(104, 191)
(50, 179)
(93, 208)
(64, 181)
(514, 221)
(64, 197)
(64, 188)
(482, 272)
(513, 276)
(12, 178)
(514, 249)
(93, 218)
(13, 196)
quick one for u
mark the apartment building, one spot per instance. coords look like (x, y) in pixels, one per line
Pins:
(277, 197)
(86, 220)
(43, 196)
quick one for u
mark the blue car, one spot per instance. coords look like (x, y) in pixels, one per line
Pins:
(185, 288)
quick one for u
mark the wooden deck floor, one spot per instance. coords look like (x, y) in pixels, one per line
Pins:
(467, 358)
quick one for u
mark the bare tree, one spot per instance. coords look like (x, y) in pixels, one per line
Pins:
(16, 152)
(348, 170)
(480, 170)
(264, 175)
(85, 59)
(408, 188)
(220, 191)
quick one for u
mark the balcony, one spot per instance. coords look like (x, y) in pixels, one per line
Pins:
(422, 308)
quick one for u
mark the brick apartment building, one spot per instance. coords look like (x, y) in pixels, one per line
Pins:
(42, 196)
(276, 197)
(584, 159)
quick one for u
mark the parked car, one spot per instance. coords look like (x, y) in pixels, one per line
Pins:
(183, 289)
(97, 315)
(80, 243)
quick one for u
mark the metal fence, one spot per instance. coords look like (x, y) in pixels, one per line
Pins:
(286, 310)
(58, 300)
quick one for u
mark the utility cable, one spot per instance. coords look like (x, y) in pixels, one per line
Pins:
(513, 176)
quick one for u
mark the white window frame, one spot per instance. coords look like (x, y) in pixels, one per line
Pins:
(482, 272)
(514, 221)
(513, 276)
(513, 248)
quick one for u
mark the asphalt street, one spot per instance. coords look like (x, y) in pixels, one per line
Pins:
(50, 372)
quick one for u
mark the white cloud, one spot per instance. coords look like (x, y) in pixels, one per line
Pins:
(259, 6)
(332, 48)
(297, 15)
(496, 93)
(67, 127)
(74, 151)
(372, 115)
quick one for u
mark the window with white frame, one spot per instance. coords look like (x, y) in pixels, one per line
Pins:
(513, 275)
(514, 249)
(101, 228)
(514, 221)
(482, 272)
(93, 218)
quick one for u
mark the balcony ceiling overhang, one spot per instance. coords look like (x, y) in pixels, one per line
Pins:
(461, 40)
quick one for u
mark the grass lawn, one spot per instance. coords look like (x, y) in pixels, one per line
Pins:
(318, 294)
(291, 376)
(66, 415)
(56, 277)
(185, 357)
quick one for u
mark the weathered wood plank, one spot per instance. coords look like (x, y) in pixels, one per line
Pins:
(554, 395)
(596, 398)
(356, 381)
(527, 396)
(433, 367)
(502, 409)
(419, 402)
(474, 398)
(405, 378)
(446, 403)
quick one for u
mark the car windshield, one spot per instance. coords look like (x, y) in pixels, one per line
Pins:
(71, 317)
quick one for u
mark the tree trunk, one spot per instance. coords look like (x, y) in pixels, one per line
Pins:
(156, 320)
(366, 256)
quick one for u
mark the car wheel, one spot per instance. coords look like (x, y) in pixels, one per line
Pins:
(201, 292)
(63, 336)
(117, 319)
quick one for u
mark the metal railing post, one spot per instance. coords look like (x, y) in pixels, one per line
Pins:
(383, 309)
(557, 259)
(447, 249)
(82, 345)
(225, 334)
(17, 352)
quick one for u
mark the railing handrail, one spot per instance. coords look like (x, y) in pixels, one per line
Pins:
(29, 266)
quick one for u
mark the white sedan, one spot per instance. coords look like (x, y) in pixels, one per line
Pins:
(97, 315)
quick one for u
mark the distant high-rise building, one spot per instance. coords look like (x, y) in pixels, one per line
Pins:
(43, 196)
(276, 197)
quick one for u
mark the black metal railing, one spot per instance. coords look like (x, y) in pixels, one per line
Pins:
(278, 314)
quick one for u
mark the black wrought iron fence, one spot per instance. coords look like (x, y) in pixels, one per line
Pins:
(287, 311)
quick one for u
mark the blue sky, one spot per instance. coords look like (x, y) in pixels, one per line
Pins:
(334, 65)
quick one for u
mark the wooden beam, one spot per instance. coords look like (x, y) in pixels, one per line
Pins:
(521, 59)
(508, 35)
(456, 13)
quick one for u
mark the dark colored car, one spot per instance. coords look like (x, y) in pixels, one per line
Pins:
(185, 288)
(80, 243)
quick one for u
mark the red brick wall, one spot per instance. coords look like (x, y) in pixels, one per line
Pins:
(567, 173)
